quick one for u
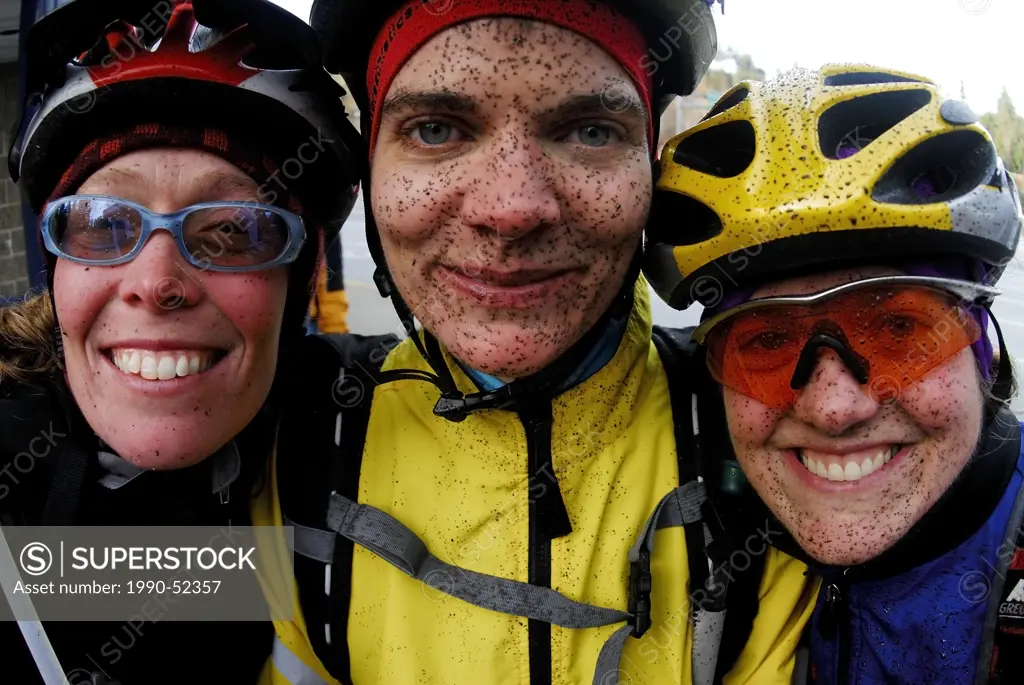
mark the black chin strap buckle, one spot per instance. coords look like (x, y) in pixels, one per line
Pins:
(809, 359)
(382, 280)
(453, 406)
(640, 583)
(456, 406)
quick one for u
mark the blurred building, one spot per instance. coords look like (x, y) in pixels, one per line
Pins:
(349, 101)
(686, 112)
(728, 69)
(13, 262)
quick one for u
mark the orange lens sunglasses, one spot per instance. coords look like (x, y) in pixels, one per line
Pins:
(890, 331)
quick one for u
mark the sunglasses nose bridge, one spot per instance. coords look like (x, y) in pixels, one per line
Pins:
(829, 326)
(808, 360)
(171, 224)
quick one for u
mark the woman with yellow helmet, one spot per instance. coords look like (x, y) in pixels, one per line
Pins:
(844, 230)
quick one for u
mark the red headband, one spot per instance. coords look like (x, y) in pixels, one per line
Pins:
(418, 21)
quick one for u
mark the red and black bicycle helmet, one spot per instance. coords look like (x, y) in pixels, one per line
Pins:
(681, 37)
(249, 68)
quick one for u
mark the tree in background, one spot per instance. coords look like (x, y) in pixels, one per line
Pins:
(1007, 129)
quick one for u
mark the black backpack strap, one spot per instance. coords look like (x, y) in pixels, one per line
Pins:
(74, 467)
(324, 431)
(737, 552)
(802, 665)
(676, 352)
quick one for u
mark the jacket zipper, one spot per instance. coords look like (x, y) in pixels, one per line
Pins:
(548, 520)
(538, 450)
(835, 625)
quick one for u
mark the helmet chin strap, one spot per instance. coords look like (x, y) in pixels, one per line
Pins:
(1002, 389)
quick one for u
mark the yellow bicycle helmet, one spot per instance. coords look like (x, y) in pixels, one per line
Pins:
(816, 167)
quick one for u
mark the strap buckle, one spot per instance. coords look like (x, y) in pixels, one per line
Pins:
(452, 406)
(718, 551)
(457, 407)
(640, 583)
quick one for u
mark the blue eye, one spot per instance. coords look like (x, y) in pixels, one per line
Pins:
(434, 132)
(593, 135)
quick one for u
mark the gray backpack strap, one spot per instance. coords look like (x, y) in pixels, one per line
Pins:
(392, 541)
(707, 583)
(312, 543)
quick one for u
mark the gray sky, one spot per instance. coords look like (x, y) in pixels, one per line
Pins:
(974, 41)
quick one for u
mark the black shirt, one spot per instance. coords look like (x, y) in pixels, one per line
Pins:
(214, 492)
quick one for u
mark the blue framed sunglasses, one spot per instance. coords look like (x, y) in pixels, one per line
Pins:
(104, 230)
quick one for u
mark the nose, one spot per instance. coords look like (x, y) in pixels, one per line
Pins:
(833, 400)
(159, 279)
(511, 190)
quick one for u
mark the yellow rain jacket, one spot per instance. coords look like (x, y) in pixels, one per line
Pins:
(462, 488)
(329, 307)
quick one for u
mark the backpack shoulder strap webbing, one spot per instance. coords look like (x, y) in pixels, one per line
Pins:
(325, 430)
(725, 578)
(676, 353)
(385, 536)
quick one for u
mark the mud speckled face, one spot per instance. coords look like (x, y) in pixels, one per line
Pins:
(509, 197)
(168, 362)
(917, 442)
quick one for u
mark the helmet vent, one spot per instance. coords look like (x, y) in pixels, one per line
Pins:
(727, 103)
(678, 219)
(939, 169)
(867, 78)
(724, 151)
(848, 127)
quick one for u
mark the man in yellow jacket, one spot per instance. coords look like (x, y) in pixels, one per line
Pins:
(510, 495)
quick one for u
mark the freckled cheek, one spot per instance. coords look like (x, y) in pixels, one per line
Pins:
(253, 304)
(409, 207)
(80, 297)
(949, 397)
(750, 425)
(615, 205)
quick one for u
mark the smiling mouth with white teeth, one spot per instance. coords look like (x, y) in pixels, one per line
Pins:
(847, 467)
(163, 365)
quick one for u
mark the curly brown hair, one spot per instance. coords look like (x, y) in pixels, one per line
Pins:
(28, 351)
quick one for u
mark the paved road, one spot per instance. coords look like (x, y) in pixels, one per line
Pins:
(369, 314)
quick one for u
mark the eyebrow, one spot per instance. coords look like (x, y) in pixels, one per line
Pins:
(596, 104)
(210, 186)
(435, 100)
(119, 174)
(623, 105)
(218, 184)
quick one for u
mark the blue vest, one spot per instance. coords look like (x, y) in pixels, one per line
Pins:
(925, 626)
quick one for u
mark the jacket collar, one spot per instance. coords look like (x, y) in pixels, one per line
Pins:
(28, 412)
(598, 408)
(115, 472)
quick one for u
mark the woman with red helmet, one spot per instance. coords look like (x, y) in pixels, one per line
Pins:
(509, 493)
(188, 163)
